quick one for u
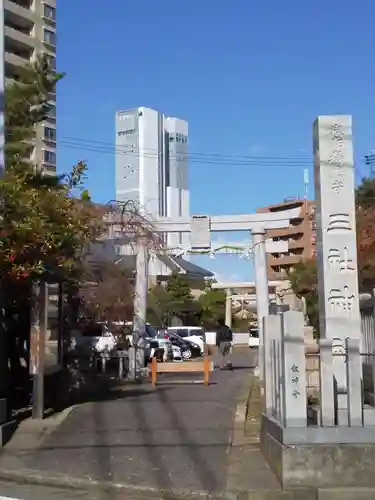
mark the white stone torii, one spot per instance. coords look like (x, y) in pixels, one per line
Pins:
(229, 287)
(257, 224)
(243, 248)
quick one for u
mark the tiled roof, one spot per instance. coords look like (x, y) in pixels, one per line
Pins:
(104, 251)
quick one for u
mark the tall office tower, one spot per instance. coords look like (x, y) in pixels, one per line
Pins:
(30, 30)
(152, 165)
(177, 188)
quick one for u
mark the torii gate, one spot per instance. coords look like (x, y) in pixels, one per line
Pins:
(200, 228)
(229, 287)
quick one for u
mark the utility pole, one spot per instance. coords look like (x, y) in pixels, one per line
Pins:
(370, 161)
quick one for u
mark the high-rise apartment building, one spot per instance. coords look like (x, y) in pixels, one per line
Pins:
(300, 235)
(152, 164)
(30, 30)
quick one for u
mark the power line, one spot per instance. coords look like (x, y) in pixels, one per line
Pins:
(153, 151)
(219, 160)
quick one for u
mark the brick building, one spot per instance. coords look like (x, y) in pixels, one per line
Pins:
(301, 235)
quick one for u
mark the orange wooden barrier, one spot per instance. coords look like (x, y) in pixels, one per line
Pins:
(205, 367)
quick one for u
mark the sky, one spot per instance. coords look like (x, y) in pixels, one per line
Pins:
(250, 77)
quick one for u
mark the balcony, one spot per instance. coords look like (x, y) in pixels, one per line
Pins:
(289, 231)
(20, 41)
(12, 62)
(277, 275)
(298, 243)
(19, 12)
(284, 260)
(25, 4)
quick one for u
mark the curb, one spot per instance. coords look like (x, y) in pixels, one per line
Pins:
(33, 478)
(29, 477)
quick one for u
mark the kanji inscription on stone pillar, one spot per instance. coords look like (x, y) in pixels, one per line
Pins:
(336, 228)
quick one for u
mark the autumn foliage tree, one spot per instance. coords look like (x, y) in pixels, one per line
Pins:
(46, 219)
(107, 292)
(365, 201)
(303, 277)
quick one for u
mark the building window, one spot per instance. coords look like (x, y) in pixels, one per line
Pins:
(50, 12)
(49, 157)
(126, 132)
(50, 134)
(52, 62)
(49, 36)
(52, 111)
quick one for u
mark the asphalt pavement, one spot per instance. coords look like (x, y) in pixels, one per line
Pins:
(174, 437)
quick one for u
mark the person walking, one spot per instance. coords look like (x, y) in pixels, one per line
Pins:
(224, 338)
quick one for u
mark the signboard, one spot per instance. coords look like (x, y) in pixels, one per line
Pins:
(200, 227)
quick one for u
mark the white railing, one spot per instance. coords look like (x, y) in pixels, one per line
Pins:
(367, 308)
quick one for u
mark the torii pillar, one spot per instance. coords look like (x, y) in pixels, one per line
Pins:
(261, 278)
(228, 308)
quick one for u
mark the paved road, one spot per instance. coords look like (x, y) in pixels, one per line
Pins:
(175, 437)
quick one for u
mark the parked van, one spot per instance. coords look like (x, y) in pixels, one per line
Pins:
(253, 337)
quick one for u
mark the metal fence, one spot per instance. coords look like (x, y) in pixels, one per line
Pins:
(367, 308)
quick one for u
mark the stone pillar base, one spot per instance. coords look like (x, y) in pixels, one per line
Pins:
(320, 457)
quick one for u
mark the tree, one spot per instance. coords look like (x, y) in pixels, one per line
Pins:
(162, 307)
(47, 220)
(212, 304)
(365, 214)
(366, 248)
(186, 306)
(365, 194)
(173, 300)
(178, 287)
(304, 281)
(107, 293)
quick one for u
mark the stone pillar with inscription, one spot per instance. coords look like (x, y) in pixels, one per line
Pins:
(339, 315)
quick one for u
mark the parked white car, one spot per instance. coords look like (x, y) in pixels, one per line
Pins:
(95, 337)
(177, 354)
(253, 338)
(194, 334)
(152, 336)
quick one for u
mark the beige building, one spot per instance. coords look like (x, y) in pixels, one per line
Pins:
(301, 236)
(29, 30)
